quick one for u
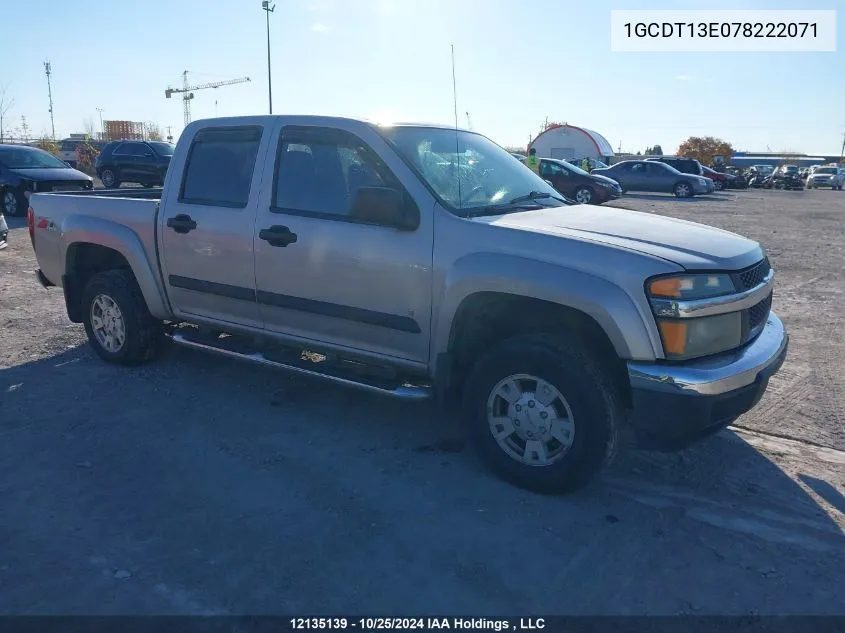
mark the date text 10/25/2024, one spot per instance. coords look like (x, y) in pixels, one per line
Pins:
(417, 624)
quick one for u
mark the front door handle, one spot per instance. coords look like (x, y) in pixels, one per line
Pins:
(181, 223)
(277, 235)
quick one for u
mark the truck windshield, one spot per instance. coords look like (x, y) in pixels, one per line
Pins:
(28, 158)
(467, 171)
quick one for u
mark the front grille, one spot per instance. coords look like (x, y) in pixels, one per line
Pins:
(753, 276)
(757, 314)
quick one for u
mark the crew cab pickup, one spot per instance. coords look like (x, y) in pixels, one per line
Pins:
(420, 261)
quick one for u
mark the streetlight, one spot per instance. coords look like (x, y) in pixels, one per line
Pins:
(102, 132)
(265, 5)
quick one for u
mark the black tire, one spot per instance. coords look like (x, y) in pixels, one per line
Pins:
(719, 185)
(683, 189)
(110, 178)
(579, 377)
(585, 195)
(14, 202)
(143, 333)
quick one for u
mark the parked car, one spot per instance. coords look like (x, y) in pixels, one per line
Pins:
(24, 168)
(68, 147)
(784, 179)
(822, 177)
(576, 184)
(740, 177)
(349, 252)
(142, 162)
(686, 166)
(655, 176)
(721, 180)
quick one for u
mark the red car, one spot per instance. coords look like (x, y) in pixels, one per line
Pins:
(576, 184)
(718, 178)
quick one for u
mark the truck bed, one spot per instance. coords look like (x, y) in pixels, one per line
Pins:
(94, 214)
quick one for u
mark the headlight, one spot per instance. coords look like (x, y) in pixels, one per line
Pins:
(686, 338)
(692, 338)
(689, 287)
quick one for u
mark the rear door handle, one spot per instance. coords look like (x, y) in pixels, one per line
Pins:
(181, 223)
(277, 235)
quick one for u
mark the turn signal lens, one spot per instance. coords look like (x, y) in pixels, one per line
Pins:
(666, 287)
(674, 335)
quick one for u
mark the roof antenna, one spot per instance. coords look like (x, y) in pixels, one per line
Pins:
(457, 144)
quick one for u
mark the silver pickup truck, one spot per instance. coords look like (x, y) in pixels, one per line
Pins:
(421, 261)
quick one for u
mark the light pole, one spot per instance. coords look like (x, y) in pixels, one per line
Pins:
(265, 5)
(102, 132)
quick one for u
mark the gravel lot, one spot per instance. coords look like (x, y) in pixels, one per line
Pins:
(195, 485)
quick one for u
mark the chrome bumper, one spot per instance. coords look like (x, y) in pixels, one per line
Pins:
(717, 374)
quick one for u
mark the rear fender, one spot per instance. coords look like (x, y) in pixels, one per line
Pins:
(79, 229)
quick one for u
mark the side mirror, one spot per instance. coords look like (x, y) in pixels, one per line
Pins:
(386, 207)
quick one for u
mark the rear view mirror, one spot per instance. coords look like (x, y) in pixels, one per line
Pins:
(386, 207)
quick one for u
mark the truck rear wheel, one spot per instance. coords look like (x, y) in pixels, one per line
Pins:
(542, 413)
(119, 326)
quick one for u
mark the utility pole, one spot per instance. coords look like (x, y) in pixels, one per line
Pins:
(265, 5)
(102, 131)
(169, 135)
(48, 71)
(842, 151)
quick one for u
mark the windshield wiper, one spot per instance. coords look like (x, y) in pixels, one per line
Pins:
(535, 195)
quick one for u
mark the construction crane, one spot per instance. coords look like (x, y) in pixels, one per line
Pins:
(187, 91)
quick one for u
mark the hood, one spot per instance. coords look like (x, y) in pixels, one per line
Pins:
(688, 244)
(58, 173)
(601, 178)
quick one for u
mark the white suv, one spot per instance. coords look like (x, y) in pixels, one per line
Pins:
(824, 176)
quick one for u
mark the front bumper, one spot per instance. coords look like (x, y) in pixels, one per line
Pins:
(674, 405)
(700, 188)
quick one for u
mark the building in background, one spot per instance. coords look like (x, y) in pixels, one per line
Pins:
(118, 130)
(568, 142)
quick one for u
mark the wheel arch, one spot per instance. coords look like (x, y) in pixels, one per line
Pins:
(478, 311)
(93, 245)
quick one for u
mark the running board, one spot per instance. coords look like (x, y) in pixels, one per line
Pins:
(401, 392)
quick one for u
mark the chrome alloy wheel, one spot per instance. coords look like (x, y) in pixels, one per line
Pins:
(107, 323)
(530, 419)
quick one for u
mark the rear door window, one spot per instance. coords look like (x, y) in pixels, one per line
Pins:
(220, 166)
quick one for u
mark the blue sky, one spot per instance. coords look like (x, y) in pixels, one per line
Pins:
(518, 62)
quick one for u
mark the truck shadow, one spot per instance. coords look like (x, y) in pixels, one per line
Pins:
(192, 440)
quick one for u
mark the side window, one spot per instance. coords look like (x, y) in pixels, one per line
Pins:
(637, 168)
(220, 165)
(122, 149)
(319, 173)
(553, 169)
(656, 168)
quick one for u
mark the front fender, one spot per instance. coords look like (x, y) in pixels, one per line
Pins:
(616, 312)
(78, 229)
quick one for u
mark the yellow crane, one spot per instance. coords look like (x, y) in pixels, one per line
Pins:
(187, 91)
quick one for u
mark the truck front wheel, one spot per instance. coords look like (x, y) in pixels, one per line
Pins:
(542, 413)
(119, 326)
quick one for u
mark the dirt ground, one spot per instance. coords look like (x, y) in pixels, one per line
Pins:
(195, 485)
